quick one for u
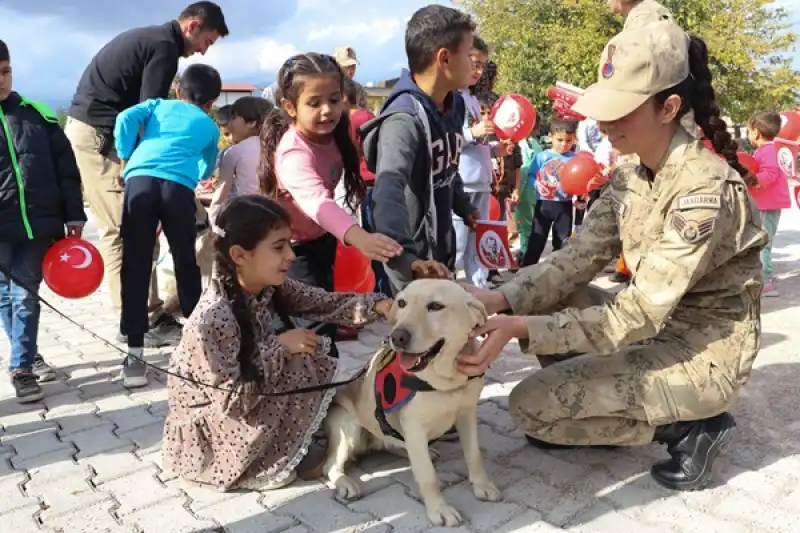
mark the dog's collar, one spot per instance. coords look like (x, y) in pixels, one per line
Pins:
(394, 388)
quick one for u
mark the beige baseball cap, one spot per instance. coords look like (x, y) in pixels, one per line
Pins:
(636, 65)
(345, 56)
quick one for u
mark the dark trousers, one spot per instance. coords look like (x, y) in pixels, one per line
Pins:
(382, 284)
(147, 202)
(314, 266)
(548, 215)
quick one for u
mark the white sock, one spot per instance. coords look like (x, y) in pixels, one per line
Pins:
(136, 352)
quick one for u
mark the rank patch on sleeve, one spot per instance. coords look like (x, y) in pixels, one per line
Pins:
(693, 231)
(700, 201)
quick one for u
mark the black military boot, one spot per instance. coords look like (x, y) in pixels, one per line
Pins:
(693, 447)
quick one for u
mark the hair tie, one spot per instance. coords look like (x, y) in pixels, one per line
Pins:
(219, 232)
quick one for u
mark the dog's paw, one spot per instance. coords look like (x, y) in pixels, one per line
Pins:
(485, 491)
(445, 515)
(348, 488)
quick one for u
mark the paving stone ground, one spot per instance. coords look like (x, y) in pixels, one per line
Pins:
(87, 458)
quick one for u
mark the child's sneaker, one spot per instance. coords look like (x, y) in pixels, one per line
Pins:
(42, 370)
(770, 289)
(26, 386)
(134, 373)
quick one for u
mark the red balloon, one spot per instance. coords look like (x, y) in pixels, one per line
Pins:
(73, 268)
(585, 153)
(514, 117)
(577, 173)
(749, 162)
(790, 125)
(494, 208)
(350, 269)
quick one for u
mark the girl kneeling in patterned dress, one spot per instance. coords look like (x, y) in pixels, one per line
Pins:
(232, 436)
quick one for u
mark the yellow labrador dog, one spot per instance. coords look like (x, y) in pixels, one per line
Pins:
(412, 394)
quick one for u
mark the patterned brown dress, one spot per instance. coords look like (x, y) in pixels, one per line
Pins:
(223, 438)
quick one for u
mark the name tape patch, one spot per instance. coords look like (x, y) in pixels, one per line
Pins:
(700, 201)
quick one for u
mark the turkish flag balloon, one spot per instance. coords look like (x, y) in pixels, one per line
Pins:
(749, 162)
(72, 268)
(514, 117)
(790, 125)
(577, 173)
(350, 268)
(494, 208)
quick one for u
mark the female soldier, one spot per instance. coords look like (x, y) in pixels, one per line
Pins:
(662, 360)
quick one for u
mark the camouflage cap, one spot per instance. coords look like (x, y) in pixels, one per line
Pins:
(635, 65)
(345, 56)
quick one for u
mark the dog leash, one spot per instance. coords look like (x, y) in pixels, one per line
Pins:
(302, 390)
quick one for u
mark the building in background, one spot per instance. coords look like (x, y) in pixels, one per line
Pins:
(377, 93)
(233, 91)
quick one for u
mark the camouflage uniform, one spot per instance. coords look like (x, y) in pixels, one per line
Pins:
(679, 341)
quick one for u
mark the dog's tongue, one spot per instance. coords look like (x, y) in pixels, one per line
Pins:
(407, 360)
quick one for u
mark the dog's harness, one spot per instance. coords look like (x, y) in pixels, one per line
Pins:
(394, 388)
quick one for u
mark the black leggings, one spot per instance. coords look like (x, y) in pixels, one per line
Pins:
(314, 266)
(547, 215)
(147, 202)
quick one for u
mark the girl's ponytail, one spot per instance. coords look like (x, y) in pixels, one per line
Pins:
(276, 123)
(354, 187)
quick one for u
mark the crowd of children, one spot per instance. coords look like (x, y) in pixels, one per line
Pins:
(421, 174)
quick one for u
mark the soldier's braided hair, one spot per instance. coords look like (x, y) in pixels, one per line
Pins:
(697, 94)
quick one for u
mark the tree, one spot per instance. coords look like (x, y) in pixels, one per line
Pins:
(537, 42)
(61, 115)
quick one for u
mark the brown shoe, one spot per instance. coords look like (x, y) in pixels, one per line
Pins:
(312, 465)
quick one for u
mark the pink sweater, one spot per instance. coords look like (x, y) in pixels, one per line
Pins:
(308, 173)
(772, 192)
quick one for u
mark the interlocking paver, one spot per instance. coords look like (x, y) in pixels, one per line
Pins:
(87, 459)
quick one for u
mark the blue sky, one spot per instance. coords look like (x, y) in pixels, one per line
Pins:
(51, 42)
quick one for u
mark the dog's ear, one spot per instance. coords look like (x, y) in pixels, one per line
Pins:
(478, 311)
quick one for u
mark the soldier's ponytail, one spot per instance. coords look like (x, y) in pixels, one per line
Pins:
(697, 94)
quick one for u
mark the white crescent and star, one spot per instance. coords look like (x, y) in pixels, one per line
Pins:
(87, 257)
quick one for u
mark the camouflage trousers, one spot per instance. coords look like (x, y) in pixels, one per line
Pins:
(620, 398)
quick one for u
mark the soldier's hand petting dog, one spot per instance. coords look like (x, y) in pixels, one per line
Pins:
(498, 331)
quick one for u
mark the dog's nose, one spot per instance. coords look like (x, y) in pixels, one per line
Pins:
(401, 337)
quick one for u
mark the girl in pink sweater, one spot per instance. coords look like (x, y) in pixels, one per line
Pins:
(771, 192)
(306, 149)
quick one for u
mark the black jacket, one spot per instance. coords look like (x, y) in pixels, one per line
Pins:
(414, 149)
(40, 186)
(134, 66)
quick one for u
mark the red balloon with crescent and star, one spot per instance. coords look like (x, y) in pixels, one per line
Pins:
(73, 268)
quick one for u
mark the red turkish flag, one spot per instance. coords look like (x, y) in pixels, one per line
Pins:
(797, 195)
(491, 241)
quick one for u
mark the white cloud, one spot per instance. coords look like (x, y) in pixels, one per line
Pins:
(248, 58)
(376, 31)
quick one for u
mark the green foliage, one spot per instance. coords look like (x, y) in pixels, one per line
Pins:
(61, 115)
(537, 42)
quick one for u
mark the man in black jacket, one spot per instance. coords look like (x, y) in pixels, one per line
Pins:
(40, 193)
(134, 66)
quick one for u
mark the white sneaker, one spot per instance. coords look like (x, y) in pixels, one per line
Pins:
(261, 484)
(770, 289)
(134, 373)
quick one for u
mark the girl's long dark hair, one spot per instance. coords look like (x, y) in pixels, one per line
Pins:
(697, 94)
(277, 122)
(245, 221)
